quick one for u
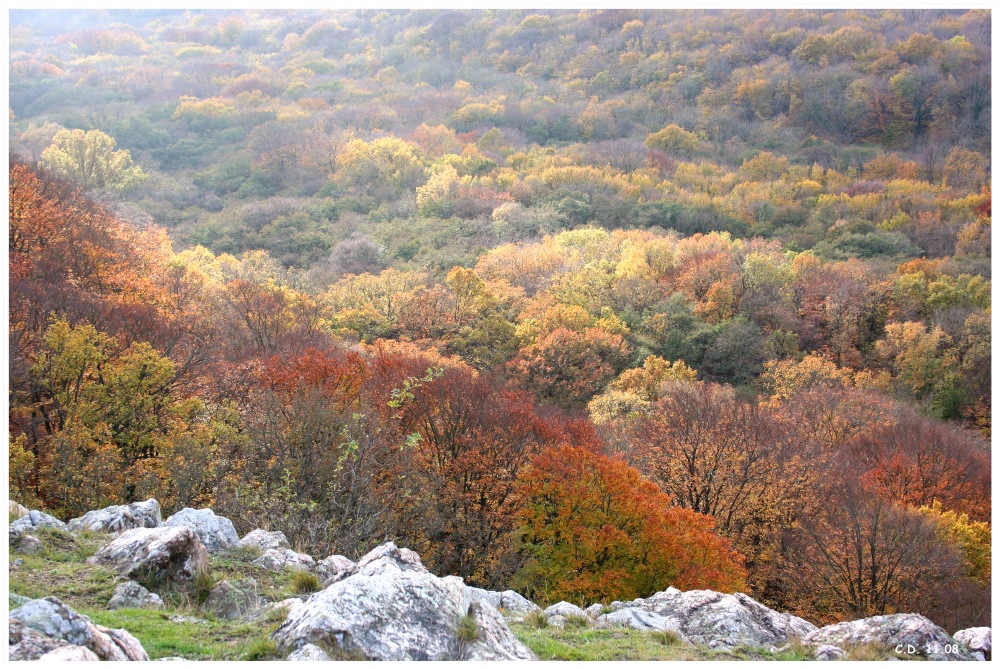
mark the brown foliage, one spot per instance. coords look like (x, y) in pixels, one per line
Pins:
(595, 529)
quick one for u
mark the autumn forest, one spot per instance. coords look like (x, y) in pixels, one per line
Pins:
(584, 304)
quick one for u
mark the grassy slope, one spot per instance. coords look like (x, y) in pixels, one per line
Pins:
(59, 569)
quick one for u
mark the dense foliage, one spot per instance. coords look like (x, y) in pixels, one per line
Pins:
(586, 303)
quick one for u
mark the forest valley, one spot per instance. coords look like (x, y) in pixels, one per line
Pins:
(582, 304)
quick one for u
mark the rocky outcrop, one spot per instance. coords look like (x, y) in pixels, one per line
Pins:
(329, 569)
(310, 653)
(119, 518)
(641, 619)
(566, 610)
(979, 641)
(131, 595)
(279, 559)
(722, 621)
(216, 533)
(512, 605)
(168, 553)
(33, 520)
(25, 643)
(28, 544)
(51, 618)
(388, 607)
(264, 540)
(826, 653)
(236, 599)
(903, 634)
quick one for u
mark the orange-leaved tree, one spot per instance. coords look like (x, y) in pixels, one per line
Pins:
(594, 529)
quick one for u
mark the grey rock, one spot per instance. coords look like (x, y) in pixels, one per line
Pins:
(264, 540)
(32, 521)
(979, 641)
(906, 629)
(594, 610)
(119, 518)
(640, 619)
(285, 606)
(512, 605)
(216, 533)
(53, 619)
(330, 569)
(564, 609)
(16, 510)
(29, 544)
(168, 553)
(388, 556)
(724, 621)
(17, 600)
(309, 653)
(390, 608)
(557, 621)
(25, 643)
(827, 653)
(278, 559)
(70, 654)
(131, 595)
(236, 599)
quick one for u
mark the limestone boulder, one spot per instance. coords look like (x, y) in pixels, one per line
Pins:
(25, 643)
(235, 599)
(119, 518)
(53, 619)
(978, 640)
(329, 569)
(70, 654)
(16, 510)
(215, 532)
(279, 559)
(309, 653)
(28, 544)
(131, 595)
(512, 605)
(826, 653)
(640, 619)
(914, 634)
(264, 540)
(723, 621)
(566, 610)
(31, 521)
(167, 553)
(389, 607)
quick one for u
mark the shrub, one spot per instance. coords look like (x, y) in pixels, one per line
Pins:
(468, 628)
(304, 582)
(536, 619)
(666, 637)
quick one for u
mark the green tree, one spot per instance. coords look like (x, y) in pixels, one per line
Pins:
(89, 159)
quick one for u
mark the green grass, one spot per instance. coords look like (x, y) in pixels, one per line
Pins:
(211, 640)
(468, 628)
(666, 637)
(305, 582)
(604, 645)
(536, 619)
(59, 570)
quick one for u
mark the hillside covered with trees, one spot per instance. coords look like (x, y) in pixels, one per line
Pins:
(584, 304)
